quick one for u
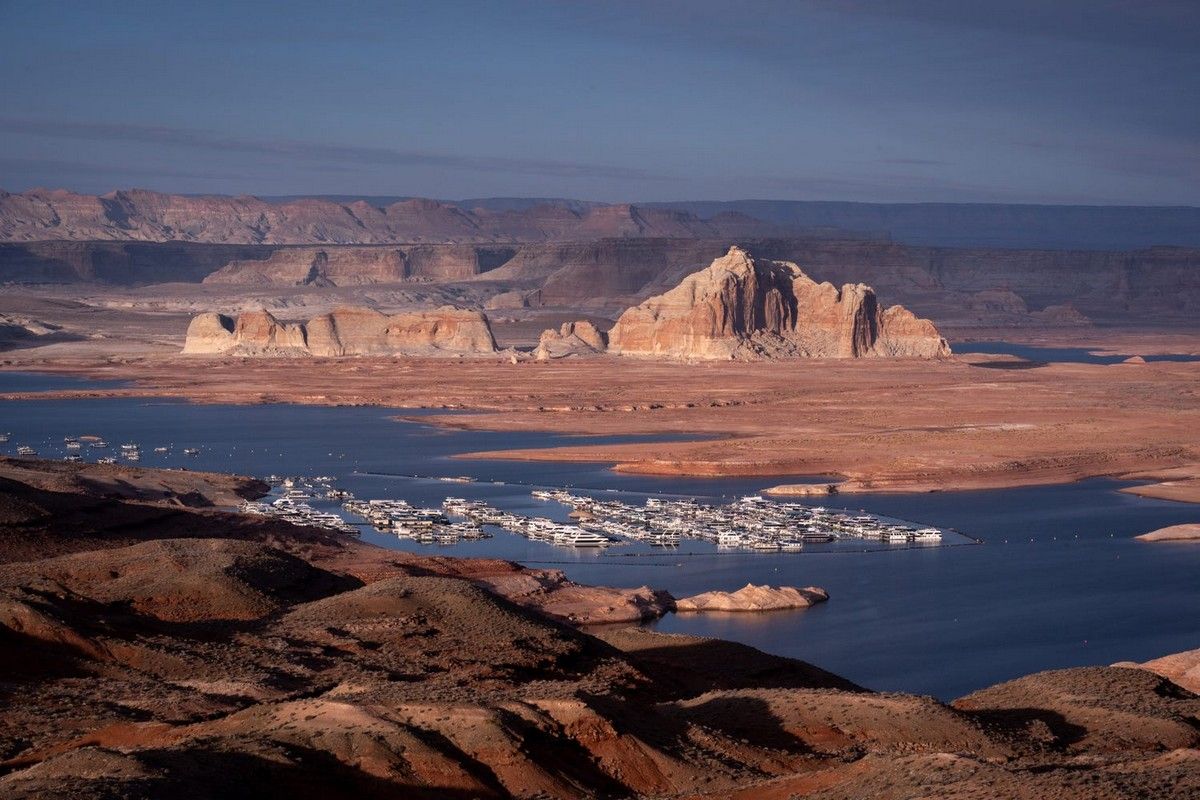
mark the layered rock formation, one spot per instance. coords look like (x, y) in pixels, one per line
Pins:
(954, 286)
(141, 215)
(571, 339)
(343, 332)
(744, 308)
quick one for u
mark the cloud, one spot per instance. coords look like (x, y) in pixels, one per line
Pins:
(317, 151)
(902, 188)
(1154, 25)
(911, 162)
(1152, 159)
(51, 166)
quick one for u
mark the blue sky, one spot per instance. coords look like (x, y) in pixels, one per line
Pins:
(1069, 101)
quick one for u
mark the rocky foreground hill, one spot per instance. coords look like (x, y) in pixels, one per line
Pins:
(153, 648)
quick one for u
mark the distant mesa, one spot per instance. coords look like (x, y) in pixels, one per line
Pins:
(514, 299)
(361, 265)
(745, 308)
(1004, 306)
(350, 331)
(147, 216)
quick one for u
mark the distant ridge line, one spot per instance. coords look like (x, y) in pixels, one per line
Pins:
(141, 215)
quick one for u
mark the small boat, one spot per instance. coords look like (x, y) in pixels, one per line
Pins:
(162, 449)
(107, 460)
(26, 450)
(74, 445)
(4, 437)
(192, 451)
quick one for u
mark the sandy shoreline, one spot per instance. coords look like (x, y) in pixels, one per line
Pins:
(873, 425)
(1188, 532)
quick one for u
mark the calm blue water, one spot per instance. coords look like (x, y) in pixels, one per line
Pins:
(39, 382)
(1062, 355)
(1058, 583)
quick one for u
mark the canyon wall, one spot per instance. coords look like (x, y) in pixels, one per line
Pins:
(741, 307)
(978, 225)
(141, 215)
(1145, 286)
(118, 263)
(343, 332)
(958, 286)
(359, 266)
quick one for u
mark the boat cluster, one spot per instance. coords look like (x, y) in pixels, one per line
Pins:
(74, 446)
(424, 525)
(538, 528)
(752, 523)
(294, 506)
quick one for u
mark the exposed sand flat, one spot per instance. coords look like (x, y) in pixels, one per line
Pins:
(1189, 532)
(872, 424)
(1182, 484)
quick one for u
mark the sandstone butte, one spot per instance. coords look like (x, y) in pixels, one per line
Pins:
(343, 332)
(571, 339)
(745, 308)
(754, 598)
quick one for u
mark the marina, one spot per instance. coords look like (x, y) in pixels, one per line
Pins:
(751, 523)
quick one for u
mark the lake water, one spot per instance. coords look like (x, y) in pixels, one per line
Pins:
(1058, 582)
(1059, 355)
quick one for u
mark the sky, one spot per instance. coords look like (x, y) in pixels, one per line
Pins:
(1032, 101)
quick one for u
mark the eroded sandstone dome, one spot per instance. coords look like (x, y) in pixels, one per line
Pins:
(745, 308)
